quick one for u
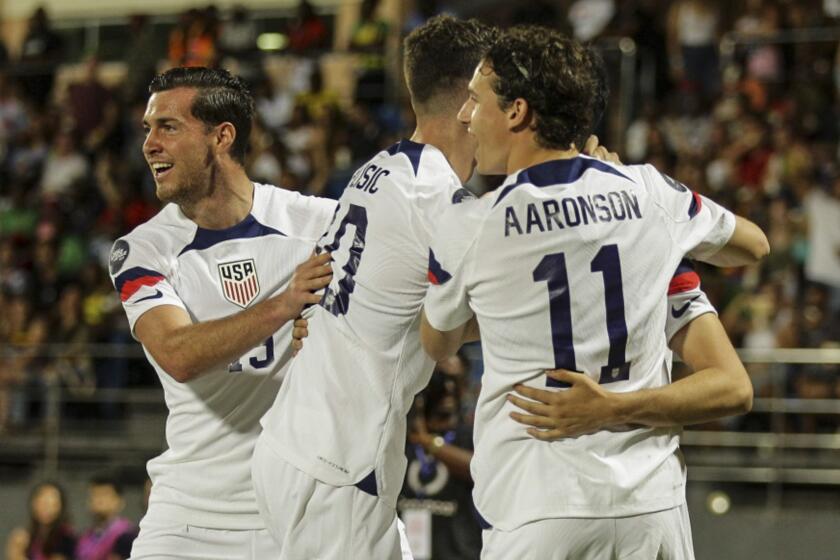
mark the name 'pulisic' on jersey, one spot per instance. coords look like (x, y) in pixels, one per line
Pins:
(366, 178)
(572, 212)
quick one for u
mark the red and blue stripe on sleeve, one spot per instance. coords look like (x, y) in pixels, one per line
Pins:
(685, 278)
(128, 282)
(437, 275)
(696, 204)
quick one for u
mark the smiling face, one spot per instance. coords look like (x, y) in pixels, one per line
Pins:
(177, 147)
(487, 123)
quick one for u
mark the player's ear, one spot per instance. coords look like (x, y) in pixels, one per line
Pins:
(518, 114)
(224, 137)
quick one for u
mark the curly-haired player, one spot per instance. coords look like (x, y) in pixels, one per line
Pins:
(567, 266)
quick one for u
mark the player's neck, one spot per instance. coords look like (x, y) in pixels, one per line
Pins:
(443, 134)
(227, 203)
(528, 153)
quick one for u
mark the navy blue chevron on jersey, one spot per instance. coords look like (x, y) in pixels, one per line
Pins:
(567, 265)
(340, 416)
(203, 478)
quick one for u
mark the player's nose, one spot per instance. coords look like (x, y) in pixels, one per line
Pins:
(151, 145)
(465, 112)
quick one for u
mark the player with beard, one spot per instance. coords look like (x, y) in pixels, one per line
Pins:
(211, 286)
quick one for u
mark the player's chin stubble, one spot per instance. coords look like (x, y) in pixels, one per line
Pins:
(194, 184)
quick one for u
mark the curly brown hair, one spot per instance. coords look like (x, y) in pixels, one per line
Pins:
(562, 80)
(441, 55)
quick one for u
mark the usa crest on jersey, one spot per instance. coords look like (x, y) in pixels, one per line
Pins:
(240, 284)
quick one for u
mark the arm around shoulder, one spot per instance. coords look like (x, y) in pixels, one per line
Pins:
(718, 386)
(748, 245)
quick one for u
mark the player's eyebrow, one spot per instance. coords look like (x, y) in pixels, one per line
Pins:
(160, 120)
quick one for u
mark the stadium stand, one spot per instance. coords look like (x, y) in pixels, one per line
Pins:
(740, 101)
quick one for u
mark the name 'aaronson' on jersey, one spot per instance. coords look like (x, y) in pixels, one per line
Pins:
(572, 212)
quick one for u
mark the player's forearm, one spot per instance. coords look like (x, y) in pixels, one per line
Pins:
(748, 245)
(195, 349)
(703, 396)
(471, 331)
(456, 459)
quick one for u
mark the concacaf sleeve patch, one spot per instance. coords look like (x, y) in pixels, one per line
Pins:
(119, 254)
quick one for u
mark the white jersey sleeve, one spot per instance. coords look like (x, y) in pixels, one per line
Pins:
(447, 301)
(204, 477)
(699, 226)
(686, 300)
(139, 274)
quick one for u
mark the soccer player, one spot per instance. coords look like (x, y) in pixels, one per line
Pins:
(567, 266)
(330, 462)
(718, 386)
(211, 286)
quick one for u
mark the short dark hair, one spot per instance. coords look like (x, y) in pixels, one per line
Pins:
(562, 80)
(442, 54)
(221, 97)
(107, 480)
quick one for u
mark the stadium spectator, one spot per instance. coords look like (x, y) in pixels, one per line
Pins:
(368, 40)
(238, 43)
(71, 369)
(48, 535)
(438, 477)
(40, 55)
(22, 330)
(141, 59)
(93, 108)
(308, 34)
(111, 535)
(13, 117)
(693, 30)
(193, 41)
(64, 167)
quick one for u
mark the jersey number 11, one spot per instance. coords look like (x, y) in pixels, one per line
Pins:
(552, 269)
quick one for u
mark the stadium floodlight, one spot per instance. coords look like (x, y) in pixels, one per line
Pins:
(272, 41)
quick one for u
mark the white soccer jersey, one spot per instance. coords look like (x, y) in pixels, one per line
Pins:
(203, 478)
(567, 265)
(341, 413)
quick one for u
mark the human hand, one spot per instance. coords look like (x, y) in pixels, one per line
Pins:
(583, 408)
(300, 330)
(309, 277)
(592, 148)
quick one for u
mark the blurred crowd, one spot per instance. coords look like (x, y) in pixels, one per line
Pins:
(738, 101)
(49, 534)
(751, 122)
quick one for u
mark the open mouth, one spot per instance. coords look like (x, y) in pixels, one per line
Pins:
(161, 169)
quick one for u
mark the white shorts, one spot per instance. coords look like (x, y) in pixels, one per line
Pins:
(663, 535)
(160, 541)
(317, 521)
